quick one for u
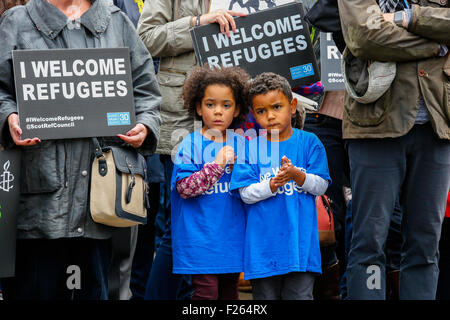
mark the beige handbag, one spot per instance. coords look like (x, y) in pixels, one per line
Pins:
(118, 191)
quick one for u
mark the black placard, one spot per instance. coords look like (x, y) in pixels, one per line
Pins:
(273, 40)
(74, 93)
(330, 64)
(9, 205)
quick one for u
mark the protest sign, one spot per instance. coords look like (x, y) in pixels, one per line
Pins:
(273, 40)
(246, 6)
(9, 205)
(330, 64)
(73, 93)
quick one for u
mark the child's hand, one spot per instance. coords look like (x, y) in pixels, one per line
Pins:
(225, 156)
(280, 179)
(275, 183)
(284, 161)
(289, 172)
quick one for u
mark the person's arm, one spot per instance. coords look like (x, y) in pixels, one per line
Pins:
(200, 181)
(163, 36)
(431, 23)
(257, 192)
(147, 97)
(314, 184)
(309, 182)
(7, 102)
(197, 183)
(10, 132)
(369, 36)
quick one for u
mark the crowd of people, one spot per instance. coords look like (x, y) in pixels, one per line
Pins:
(236, 164)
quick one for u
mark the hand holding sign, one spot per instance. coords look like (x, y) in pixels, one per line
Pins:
(136, 136)
(223, 17)
(16, 132)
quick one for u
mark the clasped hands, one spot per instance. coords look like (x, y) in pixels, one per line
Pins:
(286, 173)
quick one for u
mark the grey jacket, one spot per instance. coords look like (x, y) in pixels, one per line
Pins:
(55, 173)
(164, 28)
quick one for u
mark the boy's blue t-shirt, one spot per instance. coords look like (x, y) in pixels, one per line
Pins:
(208, 230)
(282, 231)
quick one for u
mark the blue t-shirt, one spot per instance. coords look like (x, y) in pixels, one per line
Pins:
(282, 232)
(208, 230)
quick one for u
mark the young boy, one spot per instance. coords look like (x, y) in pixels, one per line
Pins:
(282, 174)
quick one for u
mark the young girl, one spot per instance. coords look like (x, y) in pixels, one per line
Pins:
(283, 172)
(208, 222)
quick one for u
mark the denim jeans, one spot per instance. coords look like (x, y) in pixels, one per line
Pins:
(290, 286)
(162, 284)
(417, 167)
(393, 243)
(42, 270)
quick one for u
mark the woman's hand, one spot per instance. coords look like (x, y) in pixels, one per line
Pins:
(223, 17)
(16, 132)
(136, 136)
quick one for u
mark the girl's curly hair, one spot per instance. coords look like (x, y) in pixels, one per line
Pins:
(201, 77)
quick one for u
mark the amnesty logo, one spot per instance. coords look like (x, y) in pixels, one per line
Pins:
(6, 178)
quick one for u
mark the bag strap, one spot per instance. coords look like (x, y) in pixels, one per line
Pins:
(102, 166)
(327, 206)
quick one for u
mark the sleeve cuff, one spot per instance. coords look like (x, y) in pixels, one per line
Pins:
(409, 15)
(266, 188)
(217, 169)
(308, 183)
(443, 50)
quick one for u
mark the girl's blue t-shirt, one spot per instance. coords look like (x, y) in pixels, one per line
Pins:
(208, 230)
(282, 231)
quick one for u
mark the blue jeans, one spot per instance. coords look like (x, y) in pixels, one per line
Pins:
(393, 243)
(42, 269)
(162, 284)
(417, 167)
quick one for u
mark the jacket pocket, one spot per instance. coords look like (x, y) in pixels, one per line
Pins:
(368, 115)
(39, 169)
(170, 84)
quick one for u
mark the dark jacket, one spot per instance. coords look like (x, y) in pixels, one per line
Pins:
(55, 173)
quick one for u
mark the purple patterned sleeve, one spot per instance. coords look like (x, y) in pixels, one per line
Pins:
(200, 181)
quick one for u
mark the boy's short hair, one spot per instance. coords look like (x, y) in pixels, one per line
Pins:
(265, 82)
(269, 81)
